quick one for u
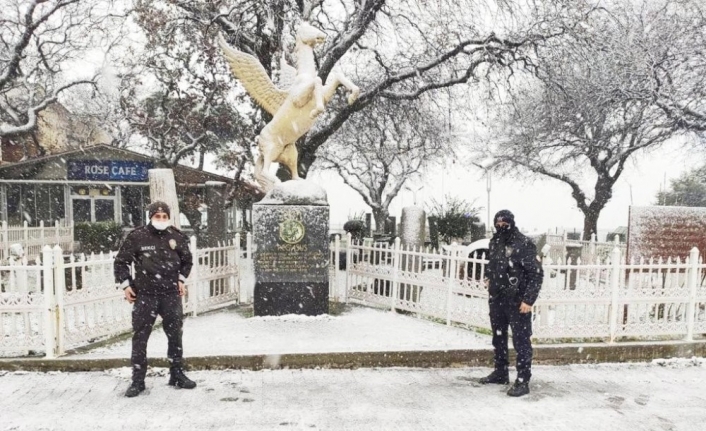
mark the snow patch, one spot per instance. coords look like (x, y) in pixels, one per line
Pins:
(295, 318)
(680, 362)
(296, 192)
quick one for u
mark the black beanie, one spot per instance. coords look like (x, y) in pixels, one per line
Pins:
(156, 207)
(506, 216)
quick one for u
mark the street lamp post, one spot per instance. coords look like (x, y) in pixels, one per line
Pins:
(487, 166)
(488, 227)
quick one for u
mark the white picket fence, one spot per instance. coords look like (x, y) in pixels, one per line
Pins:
(608, 300)
(33, 239)
(60, 302)
(591, 251)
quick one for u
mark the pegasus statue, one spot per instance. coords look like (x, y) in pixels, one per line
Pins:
(294, 109)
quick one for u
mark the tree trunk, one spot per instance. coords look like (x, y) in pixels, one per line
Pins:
(380, 215)
(202, 156)
(590, 223)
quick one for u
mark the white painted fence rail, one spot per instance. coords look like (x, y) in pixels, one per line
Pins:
(591, 251)
(63, 301)
(609, 300)
(33, 239)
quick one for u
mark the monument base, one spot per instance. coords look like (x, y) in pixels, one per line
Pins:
(280, 298)
(291, 256)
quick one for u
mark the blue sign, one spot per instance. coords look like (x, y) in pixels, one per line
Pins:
(109, 170)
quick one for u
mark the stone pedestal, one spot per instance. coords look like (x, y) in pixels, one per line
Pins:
(291, 256)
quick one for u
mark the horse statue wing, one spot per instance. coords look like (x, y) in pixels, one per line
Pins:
(254, 78)
(287, 73)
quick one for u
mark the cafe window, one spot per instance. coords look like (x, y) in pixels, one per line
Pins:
(35, 203)
(134, 204)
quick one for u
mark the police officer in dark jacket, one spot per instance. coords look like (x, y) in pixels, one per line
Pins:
(162, 261)
(514, 279)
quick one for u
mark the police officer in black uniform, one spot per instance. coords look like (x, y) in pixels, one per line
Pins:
(514, 279)
(162, 261)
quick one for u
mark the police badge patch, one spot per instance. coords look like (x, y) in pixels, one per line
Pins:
(172, 243)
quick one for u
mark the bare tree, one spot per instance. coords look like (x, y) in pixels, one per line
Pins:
(678, 61)
(379, 151)
(177, 94)
(394, 49)
(590, 108)
(40, 43)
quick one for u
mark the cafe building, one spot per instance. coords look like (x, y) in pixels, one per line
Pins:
(102, 183)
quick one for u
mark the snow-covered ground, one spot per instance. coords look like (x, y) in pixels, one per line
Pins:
(663, 395)
(358, 330)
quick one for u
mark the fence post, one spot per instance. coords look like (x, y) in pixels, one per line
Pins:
(71, 236)
(336, 264)
(614, 291)
(395, 274)
(50, 342)
(57, 237)
(452, 272)
(248, 245)
(26, 233)
(41, 231)
(564, 240)
(241, 299)
(6, 239)
(349, 262)
(692, 283)
(60, 292)
(250, 265)
(194, 278)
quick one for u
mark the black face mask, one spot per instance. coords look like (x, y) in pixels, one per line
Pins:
(503, 229)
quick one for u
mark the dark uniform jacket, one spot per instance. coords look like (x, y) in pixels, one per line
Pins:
(161, 259)
(513, 270)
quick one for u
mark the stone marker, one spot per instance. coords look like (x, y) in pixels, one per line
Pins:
(216, 216)
(163, 188)
(291, 256)
(412, 237)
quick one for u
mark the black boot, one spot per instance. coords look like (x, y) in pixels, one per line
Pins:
(135, 389)
(496, 377)
(178, 379)
(519, 389)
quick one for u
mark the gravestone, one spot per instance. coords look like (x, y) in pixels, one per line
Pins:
(291, 256)
(216, 216)
(163, 188)
(412, 237)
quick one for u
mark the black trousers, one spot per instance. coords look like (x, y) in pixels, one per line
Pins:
(504, 313)
(144, 314)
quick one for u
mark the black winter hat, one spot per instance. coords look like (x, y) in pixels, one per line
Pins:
(156, 207)
(506, 216)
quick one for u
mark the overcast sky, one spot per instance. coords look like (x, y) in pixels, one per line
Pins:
(538, 205)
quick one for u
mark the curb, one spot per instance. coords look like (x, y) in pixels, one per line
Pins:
(544, 355)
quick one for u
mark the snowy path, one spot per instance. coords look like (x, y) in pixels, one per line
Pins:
(578, 397)
(358, 330)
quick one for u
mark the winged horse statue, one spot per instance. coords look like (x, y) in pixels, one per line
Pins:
(294, 109)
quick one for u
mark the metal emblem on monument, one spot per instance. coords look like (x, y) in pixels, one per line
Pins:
(291, 231)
